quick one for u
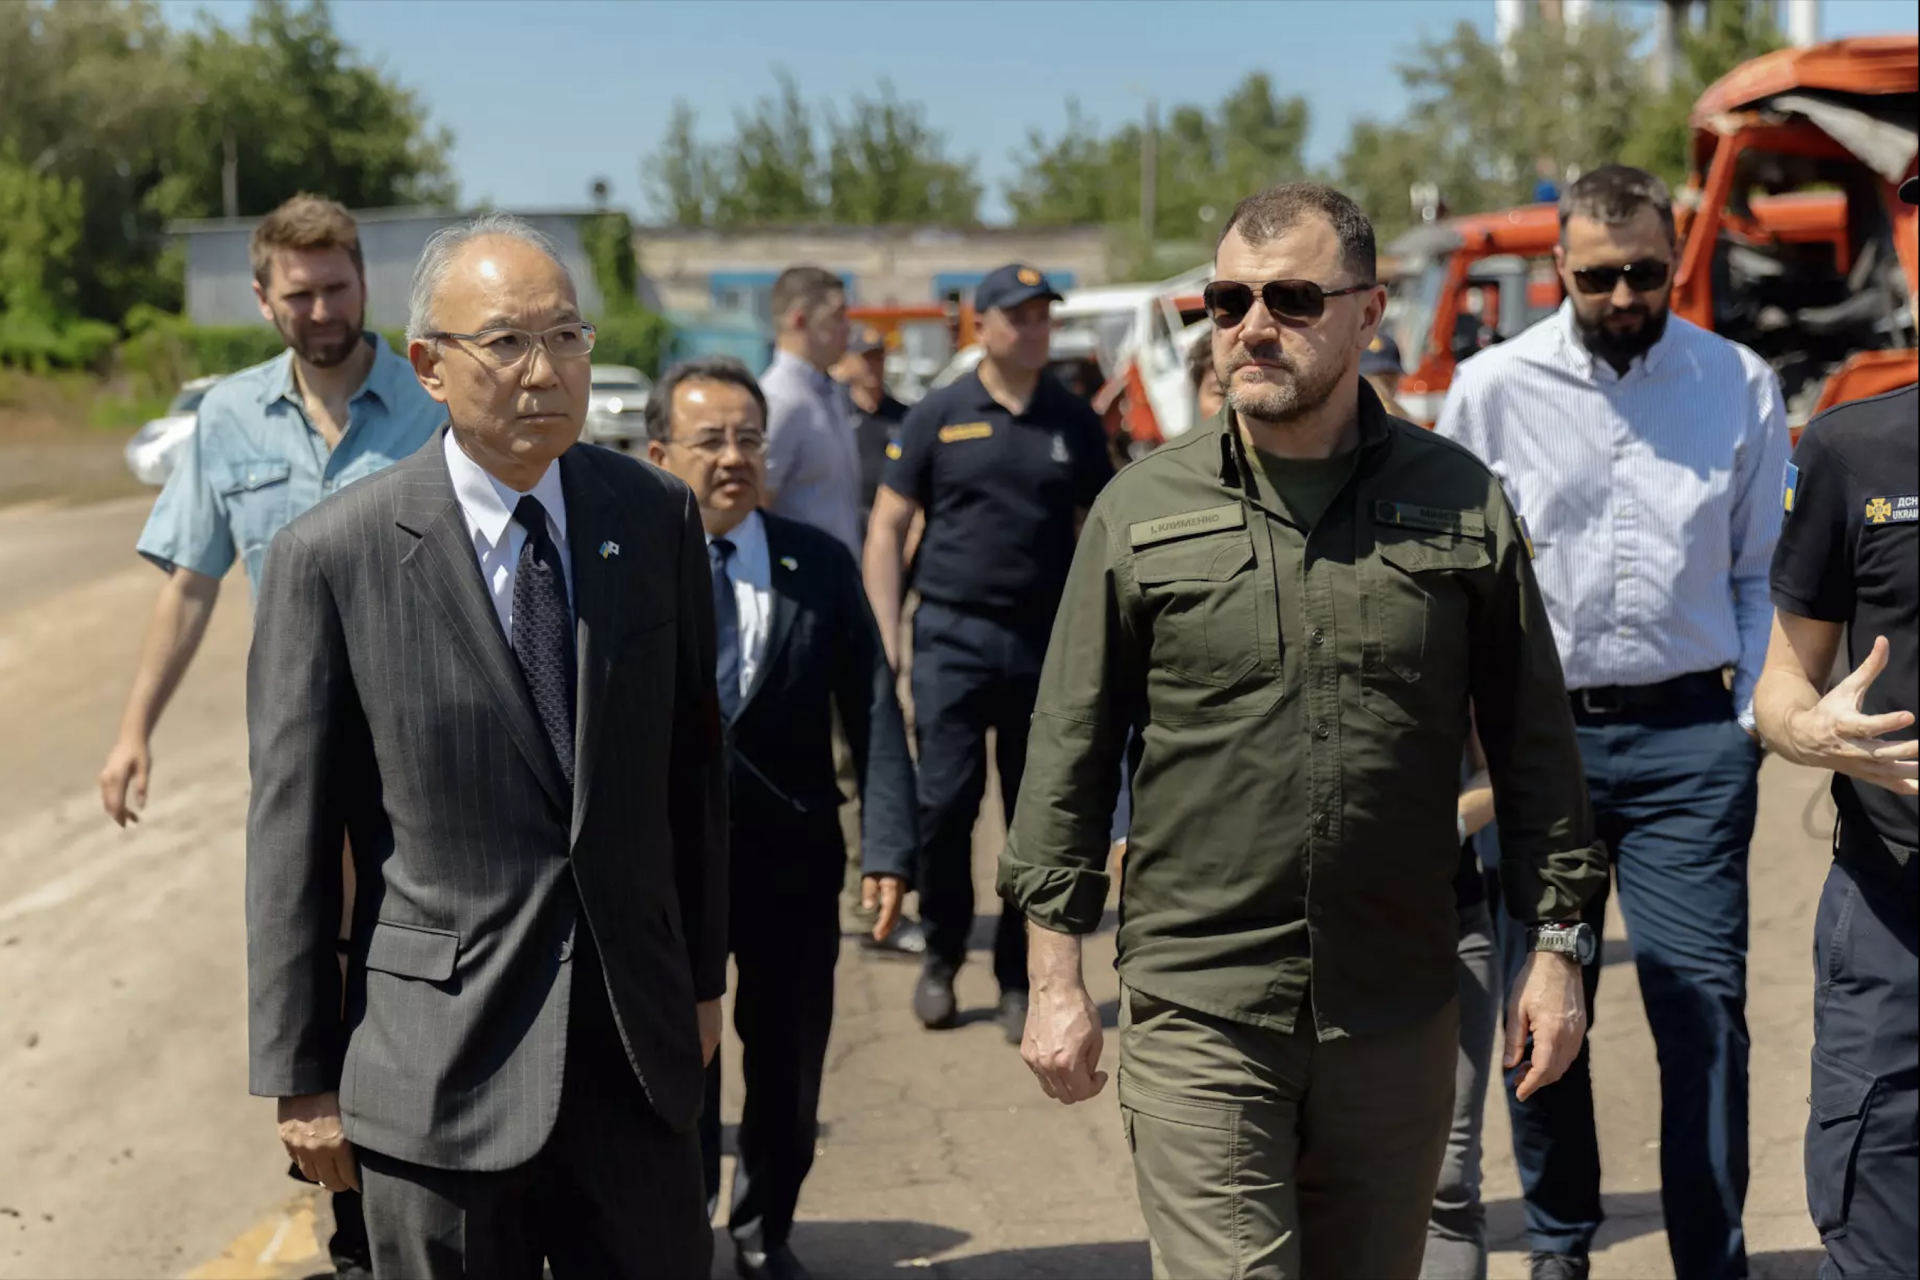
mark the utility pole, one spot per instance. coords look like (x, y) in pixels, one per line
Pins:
(230, 177)
(1150, 170)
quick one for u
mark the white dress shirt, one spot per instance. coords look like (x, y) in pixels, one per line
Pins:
(1653, 496)
(750, 568)
(488, 506)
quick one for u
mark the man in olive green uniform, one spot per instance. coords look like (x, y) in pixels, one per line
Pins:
(1293, 611)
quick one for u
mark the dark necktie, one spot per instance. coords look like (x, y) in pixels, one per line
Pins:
(543, 631)
(726, 622)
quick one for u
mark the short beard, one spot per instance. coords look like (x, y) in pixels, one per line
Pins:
(1619, 349)
(1298, 396)
(329, 355)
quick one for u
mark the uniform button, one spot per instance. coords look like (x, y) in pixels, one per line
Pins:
(1320, 824)
(1319, 637)
(566, 950)
(1321, 731)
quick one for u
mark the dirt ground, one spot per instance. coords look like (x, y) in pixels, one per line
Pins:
(129, 1146)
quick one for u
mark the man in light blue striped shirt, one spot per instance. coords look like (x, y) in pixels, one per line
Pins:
(1645, 455)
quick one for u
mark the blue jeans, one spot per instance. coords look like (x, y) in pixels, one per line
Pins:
(1674, 798)
(1863, 1134)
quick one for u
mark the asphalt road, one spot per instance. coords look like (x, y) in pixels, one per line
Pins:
(128, 1146)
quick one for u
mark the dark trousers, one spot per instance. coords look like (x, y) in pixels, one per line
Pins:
(785, 947)
(1863, 1126)
(971, 673)
(1674, 798)
(614, 1193)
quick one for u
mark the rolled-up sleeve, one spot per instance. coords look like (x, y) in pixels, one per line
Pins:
(189, 526)
(1054, 866)
(1549, 866)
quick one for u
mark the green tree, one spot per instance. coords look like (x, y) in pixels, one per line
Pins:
(1205, 160)
(298, 110)
(887, 166)
(1484, 124)
(790, 162)
(1729, 33)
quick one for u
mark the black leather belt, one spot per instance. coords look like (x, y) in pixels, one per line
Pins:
(1641, 699)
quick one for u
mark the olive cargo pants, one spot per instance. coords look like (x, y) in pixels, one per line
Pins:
(1263, 1156)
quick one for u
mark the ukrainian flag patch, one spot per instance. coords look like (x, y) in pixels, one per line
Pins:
(894, 450)
(1793, 481)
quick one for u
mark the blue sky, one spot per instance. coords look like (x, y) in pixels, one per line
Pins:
(544, 97)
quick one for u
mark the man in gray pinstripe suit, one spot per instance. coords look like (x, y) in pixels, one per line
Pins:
(492, 666)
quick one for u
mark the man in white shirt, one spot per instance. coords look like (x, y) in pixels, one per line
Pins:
(813, 453)
(1645, 454)
(795, 643)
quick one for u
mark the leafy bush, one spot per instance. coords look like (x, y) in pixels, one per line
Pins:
(639, 338)
(30, 341)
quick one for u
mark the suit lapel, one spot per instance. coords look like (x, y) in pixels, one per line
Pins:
(784, 575)
(445, 569)
(596, 535)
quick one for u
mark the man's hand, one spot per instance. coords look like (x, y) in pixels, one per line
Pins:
(1063, 1042)
(883, 894)
(310, 1131)
(1550, 1003)
(128, 765)
(709, 1011)
(1833, 734)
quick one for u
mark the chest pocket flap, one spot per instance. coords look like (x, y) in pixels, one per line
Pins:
(249, 476)
(1420, 551)
(1210, 559)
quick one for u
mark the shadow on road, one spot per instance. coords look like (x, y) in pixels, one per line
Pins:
(859, 1250)
(1629, 1216)
(1787, 1264)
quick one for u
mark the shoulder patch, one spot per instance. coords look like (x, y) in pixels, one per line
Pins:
(1410, 515)
(1186, 524)
(1903, 509)
(965, 431)
(1792, 482)
(1526, 534)
(894, 450)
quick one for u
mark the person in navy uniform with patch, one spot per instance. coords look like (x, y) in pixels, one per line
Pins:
(1004, 464)
(1847, 569)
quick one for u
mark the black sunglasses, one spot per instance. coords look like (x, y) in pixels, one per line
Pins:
(1643, 276)
(1228, 301)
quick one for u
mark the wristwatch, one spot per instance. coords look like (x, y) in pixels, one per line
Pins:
(1574, 940)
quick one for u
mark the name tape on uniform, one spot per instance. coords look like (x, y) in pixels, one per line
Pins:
(1187, 523)
(966, 431)
(1409, 515)
(1904, 509)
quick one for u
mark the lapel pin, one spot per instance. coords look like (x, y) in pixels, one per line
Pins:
(789, 563)
(609, 548)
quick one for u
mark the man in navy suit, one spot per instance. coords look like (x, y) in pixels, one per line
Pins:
(795, 642)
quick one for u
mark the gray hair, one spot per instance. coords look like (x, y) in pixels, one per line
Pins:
(1614, 194)
(444, 245)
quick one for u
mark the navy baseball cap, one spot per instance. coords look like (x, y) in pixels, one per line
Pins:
(866, 338)
(1381, 357)
(1010, 286)
(1910, 191)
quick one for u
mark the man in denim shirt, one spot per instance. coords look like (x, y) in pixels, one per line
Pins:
(272, 441)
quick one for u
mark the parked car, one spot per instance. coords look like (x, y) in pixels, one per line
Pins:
(616, 405)
(155, 448)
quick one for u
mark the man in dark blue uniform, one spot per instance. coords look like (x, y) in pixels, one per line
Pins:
(1848, 568)
(1004, 464)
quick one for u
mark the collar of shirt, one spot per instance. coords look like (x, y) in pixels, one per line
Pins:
(1595, 369)
(790, 365)
(979, 398)
(383, 381)
(1236, 468)
(751, 561)
(488, 504)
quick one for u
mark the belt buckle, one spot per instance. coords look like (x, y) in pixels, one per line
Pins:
(1605, 706)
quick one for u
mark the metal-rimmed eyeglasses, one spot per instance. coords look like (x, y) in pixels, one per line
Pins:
(504, 347)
